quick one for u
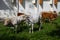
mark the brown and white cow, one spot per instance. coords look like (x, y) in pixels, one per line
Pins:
(51, 16)
(15, 20)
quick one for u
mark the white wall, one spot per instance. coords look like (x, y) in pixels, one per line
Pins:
(58, 7)
(29, 7)
(47, 7)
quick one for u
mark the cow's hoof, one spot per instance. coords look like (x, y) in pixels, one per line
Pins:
(29, 31)
(12, 27)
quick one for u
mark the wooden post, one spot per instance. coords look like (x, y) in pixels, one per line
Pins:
(21, 1)
(40, 2)
(55, 2)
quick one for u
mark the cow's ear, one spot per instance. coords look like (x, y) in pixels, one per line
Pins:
(54, 11)
(5, 19)
(24, 16)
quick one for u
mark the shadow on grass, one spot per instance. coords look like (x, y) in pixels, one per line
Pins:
(12, 37)
(7, 35)
(55, 32)
(24, 27)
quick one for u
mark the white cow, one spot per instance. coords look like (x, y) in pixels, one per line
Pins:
(34, 16)
(32, 19)
(15, 20)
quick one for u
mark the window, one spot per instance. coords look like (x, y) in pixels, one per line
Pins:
(51, 2)
(34, 2)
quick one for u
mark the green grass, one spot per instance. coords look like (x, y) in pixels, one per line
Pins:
(49, 32)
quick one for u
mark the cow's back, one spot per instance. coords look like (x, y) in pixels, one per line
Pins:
(49, 15)
(19, 14)
(45, 14)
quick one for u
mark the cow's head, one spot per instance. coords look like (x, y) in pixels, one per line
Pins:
(24, 17)
(6, 21)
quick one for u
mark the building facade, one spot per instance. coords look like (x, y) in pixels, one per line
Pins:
(41, 5)
(28, 6)
(47, 5)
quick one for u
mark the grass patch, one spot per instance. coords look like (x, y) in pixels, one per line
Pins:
(49, 32)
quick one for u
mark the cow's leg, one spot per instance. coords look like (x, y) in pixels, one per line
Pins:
(40, 24)
(15, 28)
(49, 20)
(32, 27)
(29, 25)
(29, 28)
(42, 20)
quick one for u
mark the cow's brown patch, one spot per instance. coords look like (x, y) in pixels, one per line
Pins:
(49, 15)
(19, 14)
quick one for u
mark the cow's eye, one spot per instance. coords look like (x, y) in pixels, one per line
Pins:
(23, 16)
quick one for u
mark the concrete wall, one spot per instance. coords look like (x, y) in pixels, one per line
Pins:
(47, 7)
(28, 3)
(3, 6)
(7, 8)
